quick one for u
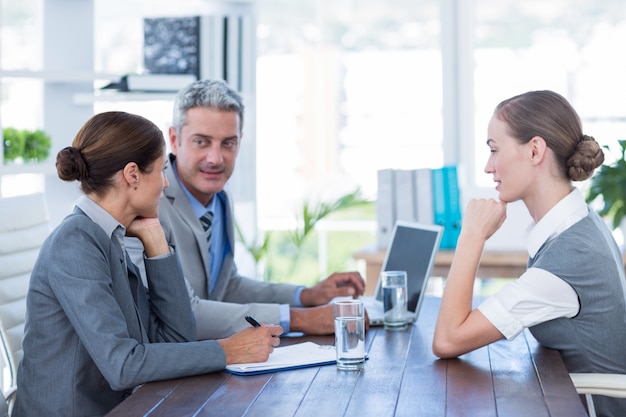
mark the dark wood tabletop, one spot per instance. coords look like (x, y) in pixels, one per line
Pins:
(401, 378)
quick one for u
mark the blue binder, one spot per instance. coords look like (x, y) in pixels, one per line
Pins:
(439, 202)
(447, 204)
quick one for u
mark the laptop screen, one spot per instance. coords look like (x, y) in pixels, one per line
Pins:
(413, 248)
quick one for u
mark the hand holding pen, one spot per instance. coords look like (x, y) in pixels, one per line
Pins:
(254, 323)
(253, 344)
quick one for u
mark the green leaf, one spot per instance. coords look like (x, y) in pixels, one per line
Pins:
(312, 214)
(36, 145)
(13, 143)
(609, 183)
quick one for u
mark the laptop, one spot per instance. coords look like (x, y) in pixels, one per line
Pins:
(412, 249)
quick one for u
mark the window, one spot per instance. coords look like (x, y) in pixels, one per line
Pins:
(21, 30)
(344, 88)
(534, 45)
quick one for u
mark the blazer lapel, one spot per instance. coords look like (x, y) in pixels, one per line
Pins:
(177, 197)
(124, 294)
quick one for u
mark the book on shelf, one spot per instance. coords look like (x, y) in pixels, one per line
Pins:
(439, 202)
(405, 199)
(385, 206)
(151, 83)
(424, 195)
(453, 206)
(447, 204)
(158, 82)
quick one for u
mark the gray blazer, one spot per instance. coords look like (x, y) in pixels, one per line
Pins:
(222, 313)
(86, 344)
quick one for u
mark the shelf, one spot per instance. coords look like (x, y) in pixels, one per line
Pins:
(60, 76)
(47, 168)
(89, 98)
(112, 96)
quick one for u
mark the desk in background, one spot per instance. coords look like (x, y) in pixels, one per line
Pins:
(401, 378)
(492, 265)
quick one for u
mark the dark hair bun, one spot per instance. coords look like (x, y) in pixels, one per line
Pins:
(71, 165)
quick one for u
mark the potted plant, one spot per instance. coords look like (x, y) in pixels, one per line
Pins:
(13, 141)
(26, 145)
(610, 184)
(310, 215)
(36, 145)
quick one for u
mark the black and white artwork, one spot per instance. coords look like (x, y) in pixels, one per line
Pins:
(172, 45)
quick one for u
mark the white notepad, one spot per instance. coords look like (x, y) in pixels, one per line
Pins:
(288, 357)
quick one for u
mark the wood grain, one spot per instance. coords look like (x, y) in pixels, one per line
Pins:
(401, 378)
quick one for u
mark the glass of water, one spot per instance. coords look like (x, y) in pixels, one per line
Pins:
(394, 299)
(349, 334)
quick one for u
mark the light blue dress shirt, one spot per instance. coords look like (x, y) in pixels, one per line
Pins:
(219, 244)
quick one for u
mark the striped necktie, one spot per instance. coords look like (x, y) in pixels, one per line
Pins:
(206, 221)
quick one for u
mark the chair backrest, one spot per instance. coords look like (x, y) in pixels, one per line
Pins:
(24, 225)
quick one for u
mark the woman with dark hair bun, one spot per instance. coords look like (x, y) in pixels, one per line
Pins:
(93, 332)
(571, 297)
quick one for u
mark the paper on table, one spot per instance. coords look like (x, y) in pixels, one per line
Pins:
(289, 357)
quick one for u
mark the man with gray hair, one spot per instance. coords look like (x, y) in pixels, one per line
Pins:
(196, 215)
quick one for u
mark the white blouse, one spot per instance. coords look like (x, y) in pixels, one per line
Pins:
(538, 295)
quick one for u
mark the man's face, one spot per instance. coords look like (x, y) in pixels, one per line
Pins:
(206, 150)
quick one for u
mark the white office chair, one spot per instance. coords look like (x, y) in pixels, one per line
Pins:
(588, 384)
(24, 225)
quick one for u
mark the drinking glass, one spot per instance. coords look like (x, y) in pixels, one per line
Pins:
(349, 334)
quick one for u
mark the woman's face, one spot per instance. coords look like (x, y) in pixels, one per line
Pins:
(508, 162)
(153, 184)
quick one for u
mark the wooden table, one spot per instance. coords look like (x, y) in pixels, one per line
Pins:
(492, 265)
(401, 378)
